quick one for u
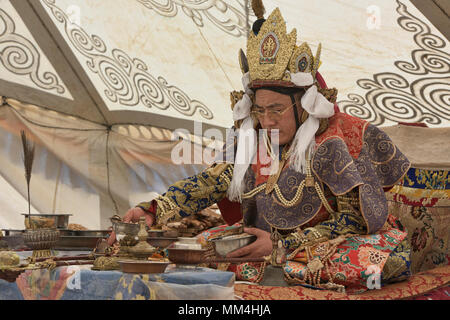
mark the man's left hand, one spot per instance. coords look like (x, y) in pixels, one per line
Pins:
(258, 249)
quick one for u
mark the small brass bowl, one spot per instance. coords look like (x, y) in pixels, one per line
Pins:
(186, 256)
(85, 233)
(142, 250)
(188, 240)
(171, 233)
(130, 229)
(133, 266)
(41, 239)
(161, 242)
(228, 244)
(46, 220)
(14, 239)
(155, 233)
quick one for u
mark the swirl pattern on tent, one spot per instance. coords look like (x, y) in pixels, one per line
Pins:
(19, 56)
(127, 79)
(211, 9)
(391, 97)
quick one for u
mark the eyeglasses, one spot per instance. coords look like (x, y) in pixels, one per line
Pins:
(273, 113)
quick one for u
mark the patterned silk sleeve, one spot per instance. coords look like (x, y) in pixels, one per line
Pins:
(347, 219)
(192, 194)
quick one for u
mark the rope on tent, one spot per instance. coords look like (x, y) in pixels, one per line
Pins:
(215, 57)
(107, 129)
(6, 104)
(211, 50)
(116, 208)
(247, 17)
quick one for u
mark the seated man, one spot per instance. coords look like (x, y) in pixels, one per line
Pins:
(315, 200)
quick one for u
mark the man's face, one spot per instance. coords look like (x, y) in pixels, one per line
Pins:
(267, 100)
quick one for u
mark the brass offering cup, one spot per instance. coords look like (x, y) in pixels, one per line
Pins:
(125, 228)
(41, 241)
(142, 250)
(45, 220)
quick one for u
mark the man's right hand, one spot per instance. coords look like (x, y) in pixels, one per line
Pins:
(133, 215)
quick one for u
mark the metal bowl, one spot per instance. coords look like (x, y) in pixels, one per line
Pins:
(13, 232)
(135, 266)
(131, 229)
(76, 243)
(171, 233)
(14, 242)
(228, 244)
(155, 233)
(186, 256)
(161, 242)
(187, 232)
(14, 238)
(41, 239)
(188, 240)
(46, 220)
(85, 233)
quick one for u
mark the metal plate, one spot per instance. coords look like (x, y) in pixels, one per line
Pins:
(15, 242)
(61, 221)
(84, 233)
(161, 242)
(186, 256)
(13, 232)
(76, 242)
(136, 266)
(153, 233)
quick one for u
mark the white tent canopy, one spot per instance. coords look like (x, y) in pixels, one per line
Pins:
(100, 86)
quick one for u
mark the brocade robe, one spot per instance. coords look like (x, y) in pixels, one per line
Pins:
(352, 165)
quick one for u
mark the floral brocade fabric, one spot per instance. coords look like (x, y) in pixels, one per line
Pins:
(426, 285)
(422, 203)
(362, 261)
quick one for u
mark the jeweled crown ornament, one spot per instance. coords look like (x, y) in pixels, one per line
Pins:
(273, 56)
(269, 52)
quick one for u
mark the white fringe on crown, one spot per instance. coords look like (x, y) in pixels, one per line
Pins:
(304, 143)
(245, 149)
(302, 78)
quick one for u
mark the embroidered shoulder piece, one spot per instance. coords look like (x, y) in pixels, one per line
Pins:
(379, 164)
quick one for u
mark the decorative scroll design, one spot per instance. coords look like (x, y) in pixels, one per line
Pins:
(227, 18)
(19, 56)
(391, 97)
(127, 80)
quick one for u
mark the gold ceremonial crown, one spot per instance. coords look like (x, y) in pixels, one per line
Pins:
(272, 53)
